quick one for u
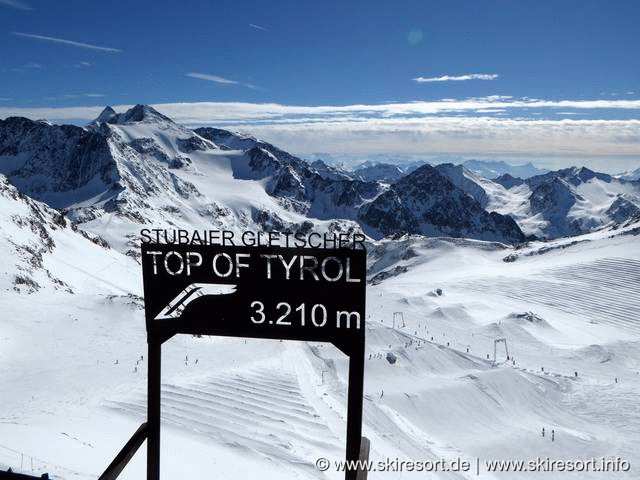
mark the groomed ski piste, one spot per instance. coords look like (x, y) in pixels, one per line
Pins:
(567, 312)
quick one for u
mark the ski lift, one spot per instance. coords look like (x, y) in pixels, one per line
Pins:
(399, 318)
(495, 347)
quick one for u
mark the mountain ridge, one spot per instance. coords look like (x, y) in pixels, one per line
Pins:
(139, 168)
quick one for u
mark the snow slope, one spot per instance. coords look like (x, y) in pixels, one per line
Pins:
(75, 376)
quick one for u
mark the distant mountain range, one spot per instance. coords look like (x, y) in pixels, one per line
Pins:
(392, 168)
(139, 168)
(493, 169)
(567, 202)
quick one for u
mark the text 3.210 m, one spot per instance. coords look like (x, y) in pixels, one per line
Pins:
(317, 315)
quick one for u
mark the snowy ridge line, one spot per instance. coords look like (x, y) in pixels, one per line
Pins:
(409, 439)
(419, 437)
(381, 419)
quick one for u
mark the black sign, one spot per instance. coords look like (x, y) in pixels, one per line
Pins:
(263, 292)
(257, 291)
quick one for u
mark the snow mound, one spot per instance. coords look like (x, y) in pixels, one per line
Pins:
(528, 317)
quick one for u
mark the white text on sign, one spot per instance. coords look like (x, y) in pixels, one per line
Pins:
(274, 266)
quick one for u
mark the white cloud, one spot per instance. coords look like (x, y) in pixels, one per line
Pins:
(219, 80)
(240, 112)
(69, 96)
(66, 42)
(490, 110)
(16, 4)
(496, 98)
(28, 66)
(272, 112)
(459, 78)
(473, 127)
(258, 27)
(415, 36)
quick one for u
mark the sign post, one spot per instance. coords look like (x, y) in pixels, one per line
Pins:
(307, 294)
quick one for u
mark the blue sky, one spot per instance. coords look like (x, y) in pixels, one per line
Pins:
(551, 80)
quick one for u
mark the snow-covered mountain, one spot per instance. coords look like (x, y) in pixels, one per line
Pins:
(384, 172)
(299, 186)
(576, 200)
(630, 175)
(563, 203)
(56, 164)
(140, 168)
(331, 171)
(508, 181)
(469, 182)
(42, 250)
(425, 202)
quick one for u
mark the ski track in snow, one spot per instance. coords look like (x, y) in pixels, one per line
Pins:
(603, 291)
(262, 411)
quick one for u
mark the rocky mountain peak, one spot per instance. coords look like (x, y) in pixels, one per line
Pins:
(426, 202)
(508, 181)
(105, 116)
(139, 113)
